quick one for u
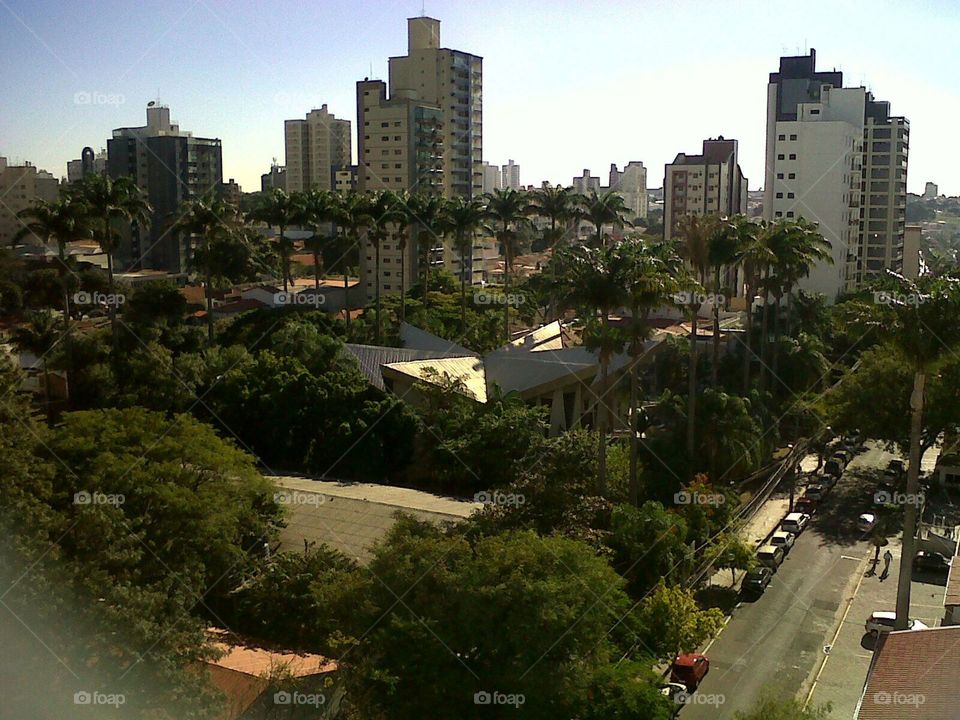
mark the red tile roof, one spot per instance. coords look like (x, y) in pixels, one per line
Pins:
(913, 676)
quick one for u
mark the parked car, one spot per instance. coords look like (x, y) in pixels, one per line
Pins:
(805, 504)
(815, 492)
(673, 690)
(756, 581)
(897, 467)
(689, 670)
(834, 467)
(770, 556)
(931, 562)
(827, 480)
(795, 522)
(883, 621)
(866, 522)
(844, 456)
(783, 540)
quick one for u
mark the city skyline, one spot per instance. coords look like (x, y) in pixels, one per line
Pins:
(557, 84)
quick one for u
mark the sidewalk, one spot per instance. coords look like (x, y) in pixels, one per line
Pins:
(763, 523)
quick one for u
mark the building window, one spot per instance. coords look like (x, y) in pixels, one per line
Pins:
(780, 156)
(793, 137)
(790, 195)
(792, 176)
(793, 156)
(789, 213)
(781, 137)
(779, 176)
(778, 214)
(779, 196)
(815, 111)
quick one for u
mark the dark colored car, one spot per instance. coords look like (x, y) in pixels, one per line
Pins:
(930, 562)
(689, 670)
(805, 504)
(756, 581)
(834, 467)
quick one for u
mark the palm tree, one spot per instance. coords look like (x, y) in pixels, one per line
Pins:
(353, 217)
(39, 337)
(695, 235)
(461, 220)
(506, 210)
(650, 272)
(606, 209)
(280, 210)
(595, 281)
(212, 218)
(722, 254)
(425, 212)
(922, 319)
(401, 229)
(753, 253)
(59, 222)
(798, 246)
(110, 200)
(319, 208)
(559, 205)
(386, 210)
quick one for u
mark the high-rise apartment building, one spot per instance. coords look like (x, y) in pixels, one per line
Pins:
(586, 183)
(631, 185)
(711, 183)
(930, 190)
(510, 176)
(316, 147)
(276, 178)
(88, 162)
(171, 167)
(836, 157)
(424, 136)
(492, 177)
(21, 187)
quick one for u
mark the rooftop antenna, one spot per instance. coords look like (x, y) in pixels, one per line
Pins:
(423, 8)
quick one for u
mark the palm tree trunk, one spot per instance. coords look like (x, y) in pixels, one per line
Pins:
(764, 329)
(209, 295)
(634, 430)
(284, 261)
(67, 339)
(714, 371)
(316, 272)
(463, 296)
(692, 389)
(376, 284)
(602, 416)
(910, 508)
(403, 284)
(748, 330)
(776, 335)
(506, 286)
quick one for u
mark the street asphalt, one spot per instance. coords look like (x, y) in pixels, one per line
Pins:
(804, 636)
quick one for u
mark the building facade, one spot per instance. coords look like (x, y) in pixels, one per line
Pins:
(510, 176)
(711, 183)
(316, 147)
(631, 185)
(88, 162)
(836, 157)
(21, 187)
(276, 178)
(492, 177)
(930, 190)
(420, 132)
(171, 167)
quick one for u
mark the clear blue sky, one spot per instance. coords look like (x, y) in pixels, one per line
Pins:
(567, 84)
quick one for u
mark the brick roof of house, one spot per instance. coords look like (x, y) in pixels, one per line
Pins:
(913, 676)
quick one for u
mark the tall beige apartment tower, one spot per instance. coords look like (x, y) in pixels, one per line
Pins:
(707, 184)
(420, 132)
(316, 147)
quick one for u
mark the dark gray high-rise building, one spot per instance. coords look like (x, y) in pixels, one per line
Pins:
(171, 167)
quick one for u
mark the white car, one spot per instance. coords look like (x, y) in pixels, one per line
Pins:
(883, 621)
(794, 522)
(783, 540)
(866, 522)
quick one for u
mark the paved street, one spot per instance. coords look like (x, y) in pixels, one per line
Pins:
(819, 597)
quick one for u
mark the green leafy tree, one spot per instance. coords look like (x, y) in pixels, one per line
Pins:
(462, 218)
(649, 543)
(674, 622)
(40, 337)
(507, 211)
(605, 209)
